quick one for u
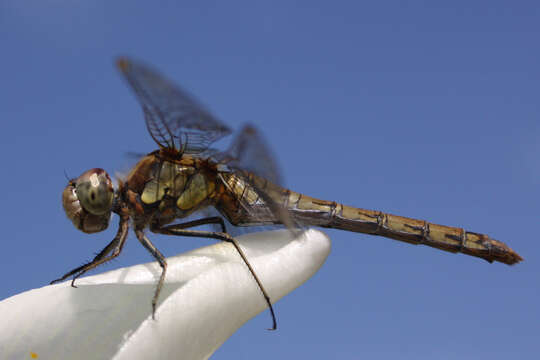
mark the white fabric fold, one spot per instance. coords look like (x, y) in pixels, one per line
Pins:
(208, 294)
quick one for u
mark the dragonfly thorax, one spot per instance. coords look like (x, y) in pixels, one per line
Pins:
(183, 182)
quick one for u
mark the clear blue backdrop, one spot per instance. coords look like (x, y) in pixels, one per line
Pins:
(424, 109)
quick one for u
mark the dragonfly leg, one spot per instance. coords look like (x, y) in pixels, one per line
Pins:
(115, 246)
(161, 260)
(189, 224)
(180, 230)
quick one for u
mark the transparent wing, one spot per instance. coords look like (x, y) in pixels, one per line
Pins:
(173, 117)
(249, 152)
(254, 195)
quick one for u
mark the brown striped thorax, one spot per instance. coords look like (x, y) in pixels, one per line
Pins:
(165, 187)
(242, 184)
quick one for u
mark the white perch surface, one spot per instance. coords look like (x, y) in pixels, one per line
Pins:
(208, 294)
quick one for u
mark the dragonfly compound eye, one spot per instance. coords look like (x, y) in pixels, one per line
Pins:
(95, 191)
(88, 200)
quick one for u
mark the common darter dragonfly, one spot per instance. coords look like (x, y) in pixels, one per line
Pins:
(185, 177)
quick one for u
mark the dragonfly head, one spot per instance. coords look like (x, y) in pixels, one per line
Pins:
(88, 200)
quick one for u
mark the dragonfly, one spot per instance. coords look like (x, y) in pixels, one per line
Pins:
(185, 178)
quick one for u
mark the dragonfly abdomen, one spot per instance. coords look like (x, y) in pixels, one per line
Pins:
(333, 215)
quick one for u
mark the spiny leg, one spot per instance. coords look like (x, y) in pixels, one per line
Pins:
(180, 230)
(189, 224)
(98, 257)
(161, 260)
(115, 246)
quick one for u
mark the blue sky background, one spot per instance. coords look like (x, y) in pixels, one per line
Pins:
(424, 109)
